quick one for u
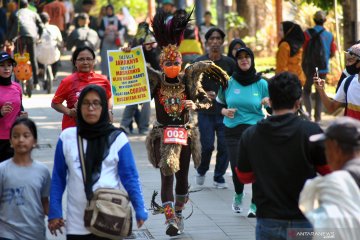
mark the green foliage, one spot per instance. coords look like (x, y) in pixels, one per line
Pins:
(263, 63)
(137, 8)
(233, 20)
(323, 4)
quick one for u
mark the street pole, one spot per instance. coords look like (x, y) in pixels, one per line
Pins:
(357, 20)
(278, 6)
(198, 11)
(181, 4)
(337, 35)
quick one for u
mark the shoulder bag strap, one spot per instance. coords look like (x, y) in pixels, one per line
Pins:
(81, 156)
(87, 34)
(346, 88)
(320, 32)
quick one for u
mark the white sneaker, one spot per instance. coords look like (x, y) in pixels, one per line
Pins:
(199, 179)
(180, 222)
(237, 203)
(220, 185)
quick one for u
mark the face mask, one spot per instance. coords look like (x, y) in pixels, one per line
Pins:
(172, 71)
(352, 69)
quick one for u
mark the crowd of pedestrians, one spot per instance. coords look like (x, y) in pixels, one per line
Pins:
(254, 122)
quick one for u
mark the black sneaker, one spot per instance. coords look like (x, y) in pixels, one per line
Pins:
(172, 228)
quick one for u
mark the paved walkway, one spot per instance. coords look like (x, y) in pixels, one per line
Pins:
(212, 216)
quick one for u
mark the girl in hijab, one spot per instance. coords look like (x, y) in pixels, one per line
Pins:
(241, 103)
(110, 32)
(289, 55)
(235, 45)
(109, 163)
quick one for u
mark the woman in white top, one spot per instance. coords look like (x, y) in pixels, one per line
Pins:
(109, 163)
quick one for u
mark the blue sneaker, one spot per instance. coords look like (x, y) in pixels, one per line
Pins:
(252, 211)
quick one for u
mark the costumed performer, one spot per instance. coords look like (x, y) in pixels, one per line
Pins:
(174, 138)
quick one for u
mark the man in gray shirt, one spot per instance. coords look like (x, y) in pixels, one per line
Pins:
(83, 35)
(210, 120)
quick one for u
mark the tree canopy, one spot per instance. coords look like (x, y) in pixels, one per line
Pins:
(323, 4)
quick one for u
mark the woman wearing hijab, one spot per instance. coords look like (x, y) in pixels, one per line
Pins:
(235, 45)
(289, 55)
(241, 104)
(109, 163)
(10, 104)
(110, 34)
(83, 60)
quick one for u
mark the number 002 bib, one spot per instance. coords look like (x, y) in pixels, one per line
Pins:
(175, 135)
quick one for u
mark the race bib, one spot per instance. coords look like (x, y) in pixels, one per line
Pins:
(175, 135)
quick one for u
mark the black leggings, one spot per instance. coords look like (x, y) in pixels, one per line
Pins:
(232, 139)
(181, 176)
(84, 237)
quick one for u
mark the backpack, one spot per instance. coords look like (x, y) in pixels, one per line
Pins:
(84, 42)
(48, 52)
(314, 54)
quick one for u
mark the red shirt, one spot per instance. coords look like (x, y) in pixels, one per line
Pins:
(56, 11)
(70, 88)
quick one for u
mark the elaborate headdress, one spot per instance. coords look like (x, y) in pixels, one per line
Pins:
(168, 32)
(143, 35)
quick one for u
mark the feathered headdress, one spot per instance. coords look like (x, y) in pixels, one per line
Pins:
(143, 35)
(168, 32)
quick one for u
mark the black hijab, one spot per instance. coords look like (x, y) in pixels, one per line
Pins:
(112, 8)
(96, 135)
(293, 35)
(249, 76)
(232, 45)
(5, 81)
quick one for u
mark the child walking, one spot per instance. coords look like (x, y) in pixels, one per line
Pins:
(24, 187)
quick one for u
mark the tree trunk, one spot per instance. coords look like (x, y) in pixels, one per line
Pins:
(349, 10)
(220, 8)
(247, 10)
(254, 12)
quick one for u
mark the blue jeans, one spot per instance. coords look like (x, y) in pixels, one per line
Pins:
(276, 229)
(208, 126)
(144, 118)
(307, 98)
